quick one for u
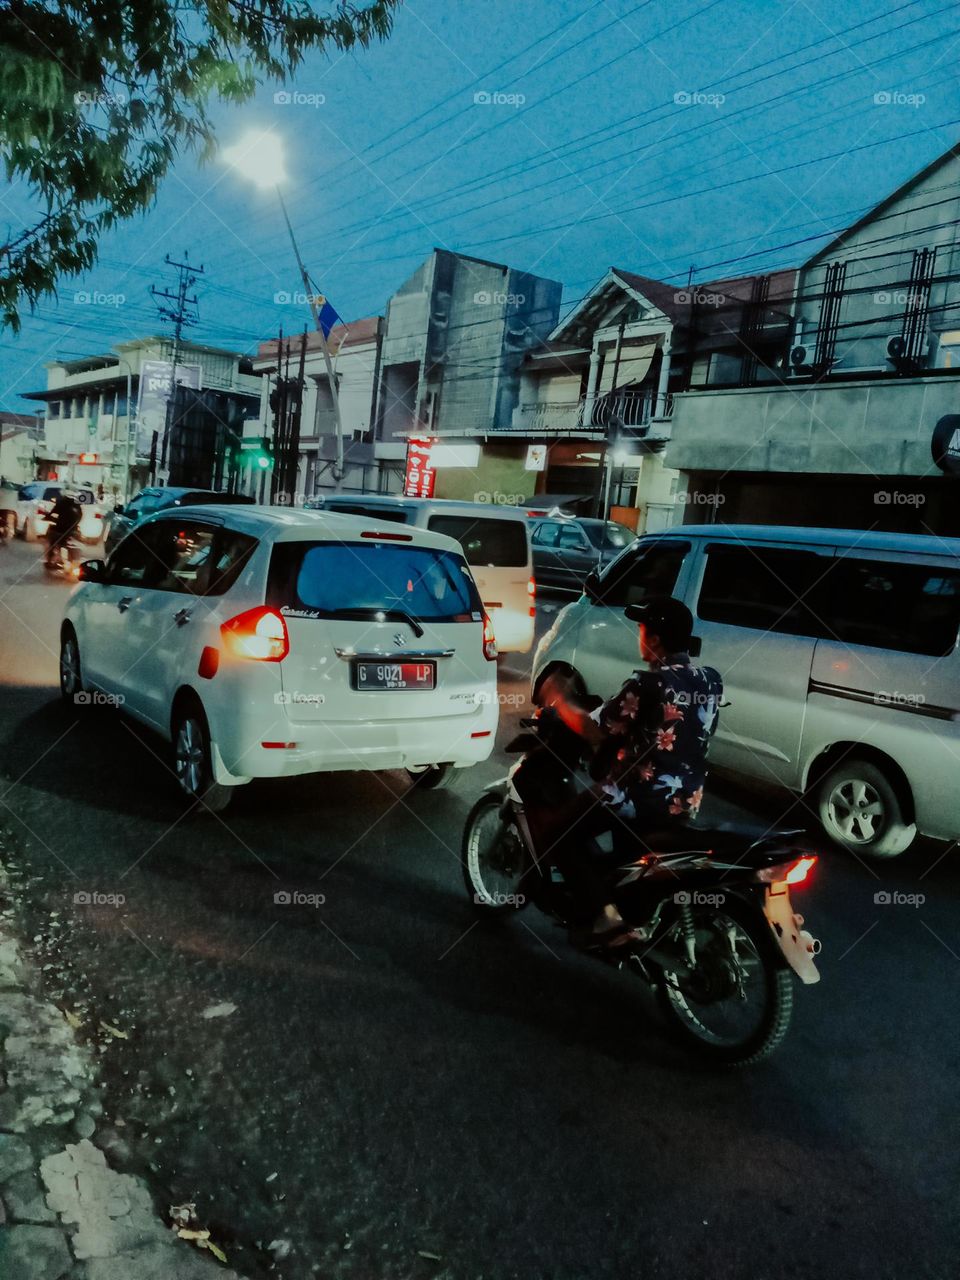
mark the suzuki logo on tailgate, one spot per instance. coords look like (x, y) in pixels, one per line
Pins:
(399, 638)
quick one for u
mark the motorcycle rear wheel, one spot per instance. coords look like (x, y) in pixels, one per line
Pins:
(690, 1005)
(493, 858)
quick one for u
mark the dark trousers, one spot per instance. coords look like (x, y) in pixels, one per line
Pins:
(563, 837)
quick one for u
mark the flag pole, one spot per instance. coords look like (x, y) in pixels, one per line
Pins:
(331, 376)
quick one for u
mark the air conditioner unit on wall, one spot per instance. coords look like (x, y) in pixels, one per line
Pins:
(897, 353)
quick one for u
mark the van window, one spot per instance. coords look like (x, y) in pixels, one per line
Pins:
(649, 571)
(486, 541)
(766, 588)
(359, 580)
(890, 604)
(182, 552)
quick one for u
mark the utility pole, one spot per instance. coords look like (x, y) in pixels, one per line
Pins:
(181, 311)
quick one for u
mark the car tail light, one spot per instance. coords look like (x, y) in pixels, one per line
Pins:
(387, 537)
(532, 593)
(489, 640)
(788, 873)
(260, 634)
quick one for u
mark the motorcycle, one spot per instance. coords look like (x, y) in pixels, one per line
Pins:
(713, 930)
(63, 560)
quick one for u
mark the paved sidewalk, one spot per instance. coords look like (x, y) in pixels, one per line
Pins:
(65, 1214)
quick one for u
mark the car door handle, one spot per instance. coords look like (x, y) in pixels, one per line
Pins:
(181, 616)
(124, 604)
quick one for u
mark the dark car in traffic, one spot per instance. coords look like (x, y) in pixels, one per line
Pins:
(159, 498)
(566, 549)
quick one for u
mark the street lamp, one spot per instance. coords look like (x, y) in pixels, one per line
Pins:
(259, 157)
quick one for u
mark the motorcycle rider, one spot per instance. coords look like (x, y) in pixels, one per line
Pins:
(649, 759)
(64, 521)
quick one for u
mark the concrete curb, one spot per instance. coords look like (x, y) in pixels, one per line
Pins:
(65, 1214)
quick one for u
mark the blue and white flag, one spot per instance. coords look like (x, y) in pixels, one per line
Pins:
(327, 315)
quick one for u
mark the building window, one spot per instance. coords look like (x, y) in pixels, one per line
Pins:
(53, 409)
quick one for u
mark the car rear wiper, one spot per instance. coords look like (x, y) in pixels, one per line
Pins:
(392, 614)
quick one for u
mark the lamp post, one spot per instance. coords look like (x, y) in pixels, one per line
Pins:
(259, 157)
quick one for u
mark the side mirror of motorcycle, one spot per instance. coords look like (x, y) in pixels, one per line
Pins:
(93, 571)
(696, 647)
(591, 586)
(118, 509)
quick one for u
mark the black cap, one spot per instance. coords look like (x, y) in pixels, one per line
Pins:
(668, 619)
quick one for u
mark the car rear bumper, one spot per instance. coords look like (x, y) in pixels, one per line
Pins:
(513, 630)
(324, 747)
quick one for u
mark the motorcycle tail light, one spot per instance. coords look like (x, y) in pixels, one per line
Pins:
(788, 872)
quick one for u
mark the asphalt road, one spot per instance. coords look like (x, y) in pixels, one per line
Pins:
(400, 1093)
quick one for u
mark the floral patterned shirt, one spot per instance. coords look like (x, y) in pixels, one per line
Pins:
(653, 762)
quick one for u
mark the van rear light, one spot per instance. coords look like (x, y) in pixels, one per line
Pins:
(260, 634)
(532, 593)
(489, 640)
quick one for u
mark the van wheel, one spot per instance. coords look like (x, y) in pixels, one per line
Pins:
(191, 760)
(861, 811)
(432, 778)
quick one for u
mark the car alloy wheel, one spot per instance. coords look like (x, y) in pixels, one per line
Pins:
(190, 756)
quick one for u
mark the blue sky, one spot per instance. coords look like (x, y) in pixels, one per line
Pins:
(559, 137)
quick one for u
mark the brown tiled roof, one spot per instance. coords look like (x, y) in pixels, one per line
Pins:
(350, 334)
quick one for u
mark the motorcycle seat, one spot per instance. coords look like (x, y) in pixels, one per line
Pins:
(725, 838)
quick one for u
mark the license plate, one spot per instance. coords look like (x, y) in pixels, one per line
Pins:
(394, 675)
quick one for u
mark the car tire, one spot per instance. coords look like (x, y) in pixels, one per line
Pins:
(860, 810)
(192, 760)
(71, 672)
(434, 778)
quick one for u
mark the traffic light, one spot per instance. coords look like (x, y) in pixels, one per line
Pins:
(263, 458)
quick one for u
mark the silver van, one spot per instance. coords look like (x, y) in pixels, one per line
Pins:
(495, 542)
(838, 651)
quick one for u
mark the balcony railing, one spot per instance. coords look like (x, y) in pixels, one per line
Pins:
(629, 409)
(557, 415)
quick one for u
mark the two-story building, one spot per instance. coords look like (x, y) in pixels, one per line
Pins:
(598, 395)
(847, 430)
(91, 408)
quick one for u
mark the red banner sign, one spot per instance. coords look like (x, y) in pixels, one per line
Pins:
(420, 477)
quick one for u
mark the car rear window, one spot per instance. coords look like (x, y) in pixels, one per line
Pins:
(392, 515)
(362, 579)
(497, 544)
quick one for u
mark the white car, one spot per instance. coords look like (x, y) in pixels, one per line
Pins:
(266, 643)
(34, 503)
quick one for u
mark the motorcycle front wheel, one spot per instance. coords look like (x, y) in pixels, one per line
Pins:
(735, 1006)
(494, 858)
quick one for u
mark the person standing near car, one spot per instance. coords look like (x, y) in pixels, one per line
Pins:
(64, 521)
